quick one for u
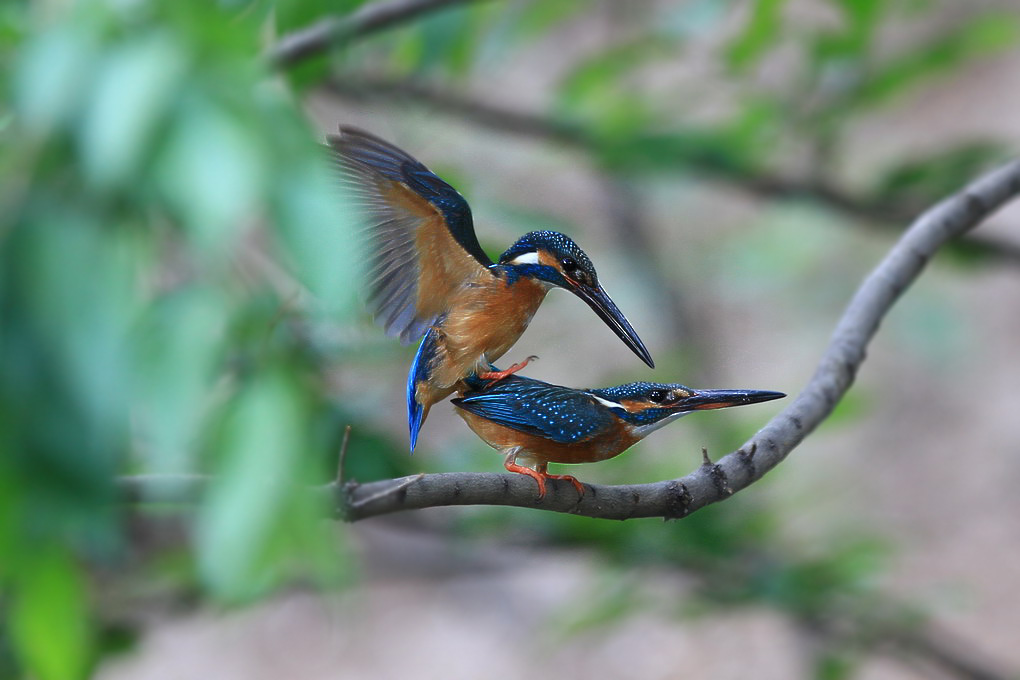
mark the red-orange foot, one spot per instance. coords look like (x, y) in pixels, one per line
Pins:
(543, 470)
(524, 470)
(571, 479)
(495, 376)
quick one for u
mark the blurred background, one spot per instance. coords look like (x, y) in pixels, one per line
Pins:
(179, 293)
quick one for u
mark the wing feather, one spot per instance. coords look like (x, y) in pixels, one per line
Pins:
(421, 239)
(561, 414)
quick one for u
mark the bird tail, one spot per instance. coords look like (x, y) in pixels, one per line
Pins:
(420, 371)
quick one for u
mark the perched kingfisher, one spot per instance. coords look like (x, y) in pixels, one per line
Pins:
(428, 274)
(534, 423)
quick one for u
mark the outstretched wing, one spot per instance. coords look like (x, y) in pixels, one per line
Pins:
(422, 244)
(561, 414)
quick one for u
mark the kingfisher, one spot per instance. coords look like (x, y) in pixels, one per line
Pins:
(429, 278)
(534, 423)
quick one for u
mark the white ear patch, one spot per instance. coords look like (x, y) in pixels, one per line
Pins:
(606, 402)
(526, 258)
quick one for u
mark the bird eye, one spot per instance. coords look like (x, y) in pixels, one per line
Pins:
(657, 396)
(569, 264)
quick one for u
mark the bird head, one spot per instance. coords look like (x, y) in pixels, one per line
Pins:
(649, 406)
(554, 259)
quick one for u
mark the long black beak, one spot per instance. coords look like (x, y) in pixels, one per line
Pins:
(599, 300)
(703, 400)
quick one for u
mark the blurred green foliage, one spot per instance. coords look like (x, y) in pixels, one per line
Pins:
(151, 169)
(171, 245)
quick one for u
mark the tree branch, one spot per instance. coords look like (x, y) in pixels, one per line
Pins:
(710, 483)
(883, 214)
(332, 32)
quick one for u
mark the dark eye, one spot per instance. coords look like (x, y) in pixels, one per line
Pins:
(657, 396)
(569, 264)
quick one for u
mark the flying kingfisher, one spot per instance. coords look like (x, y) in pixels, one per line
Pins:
(534, 423)
(429, 276)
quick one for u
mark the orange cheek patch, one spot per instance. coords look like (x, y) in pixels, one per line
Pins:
(631, 406)
(545, 258)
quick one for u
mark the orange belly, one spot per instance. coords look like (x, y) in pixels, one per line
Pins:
(485, 321)
(602, 446)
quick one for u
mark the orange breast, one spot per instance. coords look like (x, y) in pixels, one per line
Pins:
(486, 319)
(603, 446)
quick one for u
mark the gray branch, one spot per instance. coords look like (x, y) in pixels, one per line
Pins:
(711, 482)
(333, 32)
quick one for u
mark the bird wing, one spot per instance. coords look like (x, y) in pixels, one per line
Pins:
(561, 414)
(422, 243)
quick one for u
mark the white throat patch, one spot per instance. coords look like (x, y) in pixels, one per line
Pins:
(645, 430)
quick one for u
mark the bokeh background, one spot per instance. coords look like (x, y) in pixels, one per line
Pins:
(178, 294)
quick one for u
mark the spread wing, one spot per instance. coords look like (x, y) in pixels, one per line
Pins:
(561, 414)
(421, 240)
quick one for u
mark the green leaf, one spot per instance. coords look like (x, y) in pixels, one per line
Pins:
(836, 664)
(708, 150)
(613, 600)
(136, 82)
(538, 17)
(979, 37)
(762, 30)
(82, 291)
(249, 504)
(855, 40)
(52, 77)
(924, 180)
(597, 78)
(449, 40)
(49, 616)
(310, 72)
(292, 15)
(320, 232)
(177, 347)
(212, 170)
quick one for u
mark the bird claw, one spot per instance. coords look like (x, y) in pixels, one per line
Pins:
(569, 478)
(541, 475)
(496, 376)
(525, 470)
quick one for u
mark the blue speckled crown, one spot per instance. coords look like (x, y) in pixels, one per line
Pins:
(634, 390)
(556, 243)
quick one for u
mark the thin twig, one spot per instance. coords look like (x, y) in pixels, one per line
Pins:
(383, 493)
(343, 456)
(333, 32)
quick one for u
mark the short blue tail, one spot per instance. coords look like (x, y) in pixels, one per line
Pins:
(419, 372)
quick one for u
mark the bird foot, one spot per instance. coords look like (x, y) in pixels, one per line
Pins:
(541, 475)
(496, 376)
(569, 478)
(525, 470)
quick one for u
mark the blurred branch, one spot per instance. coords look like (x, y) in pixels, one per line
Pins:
(915, 644)
(332, 32)
(881, 214)
(473, 110)
(710, 483)
(625, 209)
(869, 620)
